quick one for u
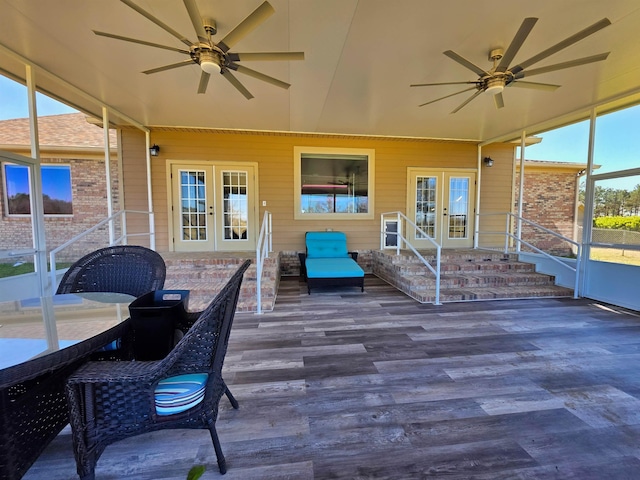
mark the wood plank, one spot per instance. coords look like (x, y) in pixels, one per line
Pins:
(343, 384)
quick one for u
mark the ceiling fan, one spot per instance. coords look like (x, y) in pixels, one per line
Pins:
(501, 75)
(214, 57)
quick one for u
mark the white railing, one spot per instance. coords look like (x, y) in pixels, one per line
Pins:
(510, 217)
(401, 239)
(121, 240)
(263, 248)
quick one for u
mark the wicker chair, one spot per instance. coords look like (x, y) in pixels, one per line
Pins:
(129, 269)
(110, 401)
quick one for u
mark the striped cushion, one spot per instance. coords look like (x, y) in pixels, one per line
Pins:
(180, 393)
(111, 347)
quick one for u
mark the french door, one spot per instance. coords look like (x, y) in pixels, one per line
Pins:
(441, 204)
(214, 207)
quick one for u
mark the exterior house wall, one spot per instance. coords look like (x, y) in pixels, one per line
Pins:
(496, 195)
(89, 207)
(274, 155)
(67, 139)
(549, 200)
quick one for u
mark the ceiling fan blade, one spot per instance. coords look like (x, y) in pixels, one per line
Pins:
(184, 63)
(562, 45)
(447, 96)
(261, 76)
(245, 27)
(467, 101)
(141, 42)
(265, 56)
(196, 20)
(534, 85)
(466, 63)
(158, 22)
(561, 66)
(441, 83)
(236, 83)
(204, 81)
(499, 100)
(516, 43)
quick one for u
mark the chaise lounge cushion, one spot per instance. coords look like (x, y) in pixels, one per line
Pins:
(326, 245)
(333, 268)
(328, 262)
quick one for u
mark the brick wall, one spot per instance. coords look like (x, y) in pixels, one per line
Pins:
(549, 200)
(89, 199)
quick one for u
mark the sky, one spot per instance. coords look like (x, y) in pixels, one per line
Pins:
(617, 143)
(616, 147)
(13, 101)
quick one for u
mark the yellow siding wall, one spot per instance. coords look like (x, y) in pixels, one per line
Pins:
(134, 185)
(496, 194)
(274, 155)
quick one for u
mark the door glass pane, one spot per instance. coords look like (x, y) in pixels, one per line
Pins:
(458, 207)
(426, 206)
(235, 204)
(193, 205)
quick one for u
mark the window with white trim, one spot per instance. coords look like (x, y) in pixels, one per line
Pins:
(333, 183)
(56, 189)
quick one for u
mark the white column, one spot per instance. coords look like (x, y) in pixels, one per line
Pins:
(107, 171)
(587, 221)
(523, 145)
(152, 223)
(37, 207)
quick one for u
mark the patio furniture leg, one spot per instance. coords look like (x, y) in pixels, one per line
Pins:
(232, 399)
(222, 463)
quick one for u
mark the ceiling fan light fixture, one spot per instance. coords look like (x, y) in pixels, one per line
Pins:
(494, 86)
(209, 63)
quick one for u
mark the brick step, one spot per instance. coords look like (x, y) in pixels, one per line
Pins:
(484, 279)
(471, 294)
(232, 261)
(205, 274)
(470, 267)
(466, 275)
(446, 256)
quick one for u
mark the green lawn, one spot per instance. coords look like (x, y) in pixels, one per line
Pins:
(9, 270)
(629, 257)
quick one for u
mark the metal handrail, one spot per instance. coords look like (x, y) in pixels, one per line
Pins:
(263, 248)
(403, 240)
(518, 238)
(122, 239)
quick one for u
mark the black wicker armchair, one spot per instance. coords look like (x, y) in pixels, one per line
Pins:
(129, 269)
(109, 401)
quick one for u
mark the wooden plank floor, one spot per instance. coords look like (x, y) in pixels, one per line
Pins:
(340, 384)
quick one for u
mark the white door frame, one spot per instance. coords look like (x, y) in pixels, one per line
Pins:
(214, 205)
(441, 206)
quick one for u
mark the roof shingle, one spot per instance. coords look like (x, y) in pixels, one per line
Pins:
(65, 130)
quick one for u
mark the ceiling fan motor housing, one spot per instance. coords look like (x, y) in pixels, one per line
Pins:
(494, 85)
(209, 60)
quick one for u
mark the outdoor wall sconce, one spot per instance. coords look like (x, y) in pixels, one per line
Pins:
(488, 162)
(154, 150)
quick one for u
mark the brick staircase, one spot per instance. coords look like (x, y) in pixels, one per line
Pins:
(465, 275)
(204, 274)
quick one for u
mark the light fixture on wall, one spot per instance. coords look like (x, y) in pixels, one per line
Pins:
(488, 162)
(154, 150)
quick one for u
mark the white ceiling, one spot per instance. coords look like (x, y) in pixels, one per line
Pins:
(360, 58)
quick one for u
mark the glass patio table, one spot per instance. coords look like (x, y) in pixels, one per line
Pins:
(42, 341)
